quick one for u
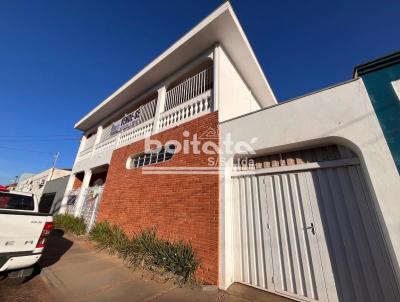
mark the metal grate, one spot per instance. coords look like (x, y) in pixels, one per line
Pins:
(91, 205)
(153, 157)
(148, 110)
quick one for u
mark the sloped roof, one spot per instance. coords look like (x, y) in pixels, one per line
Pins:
(221, 26)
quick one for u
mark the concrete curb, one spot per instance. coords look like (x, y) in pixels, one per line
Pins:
(52, 279)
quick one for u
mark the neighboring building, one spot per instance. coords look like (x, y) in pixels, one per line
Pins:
(381, 77)
(24, 176)
(36, 182)
(12, 186)
(297, 198)
(53, 194)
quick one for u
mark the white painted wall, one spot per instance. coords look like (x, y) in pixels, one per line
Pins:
(342, 114)
(235, 98)
(100, 159)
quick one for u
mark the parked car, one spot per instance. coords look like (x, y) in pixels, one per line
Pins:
(23, 233)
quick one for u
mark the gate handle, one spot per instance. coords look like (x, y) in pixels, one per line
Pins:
(312, 228)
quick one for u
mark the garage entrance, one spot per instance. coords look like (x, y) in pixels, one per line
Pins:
(305, 226)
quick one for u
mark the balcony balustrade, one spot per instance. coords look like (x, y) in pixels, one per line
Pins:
(189, 100)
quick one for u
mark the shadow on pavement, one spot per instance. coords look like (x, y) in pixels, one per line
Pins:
(56, 247)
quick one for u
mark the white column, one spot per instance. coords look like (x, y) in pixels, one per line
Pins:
(70, 184)
(226, 235)
(99, 133)
(216, 64)
(160, 107)
(81, 147)
(84, 186)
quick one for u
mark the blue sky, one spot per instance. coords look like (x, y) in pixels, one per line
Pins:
(58, 59)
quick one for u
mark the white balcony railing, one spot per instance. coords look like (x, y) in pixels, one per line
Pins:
(189, 89)
(106, 133)
(105, 145)
(85, 153)
(189, 110)
(135, 133)
(186, 101)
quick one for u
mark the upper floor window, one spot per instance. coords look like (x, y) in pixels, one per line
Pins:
(163, 154)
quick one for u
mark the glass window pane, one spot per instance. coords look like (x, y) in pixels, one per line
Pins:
(16, 202)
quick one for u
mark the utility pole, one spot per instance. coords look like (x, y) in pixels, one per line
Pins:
(55, 159)
(54, 164)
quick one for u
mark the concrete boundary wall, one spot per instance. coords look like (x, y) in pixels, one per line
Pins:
(342, 114)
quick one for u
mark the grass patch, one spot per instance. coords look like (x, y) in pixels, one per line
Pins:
(70, 223)
(146, 250)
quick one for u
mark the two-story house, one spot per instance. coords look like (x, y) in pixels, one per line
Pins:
(296, 198)
(209, 75)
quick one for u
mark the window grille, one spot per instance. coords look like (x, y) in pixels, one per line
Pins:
(163, 154)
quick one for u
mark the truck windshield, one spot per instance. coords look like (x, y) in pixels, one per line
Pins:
(16, 202)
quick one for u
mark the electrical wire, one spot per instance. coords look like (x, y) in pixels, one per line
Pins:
(45, 135)
(25, 150)
(37, 140)
(44, 138)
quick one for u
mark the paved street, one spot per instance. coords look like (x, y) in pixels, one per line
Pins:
(73, 270)
(34, 290)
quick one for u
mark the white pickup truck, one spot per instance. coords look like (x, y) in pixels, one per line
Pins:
(23, 232)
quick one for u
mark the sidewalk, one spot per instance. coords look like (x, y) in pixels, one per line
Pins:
(76, 271)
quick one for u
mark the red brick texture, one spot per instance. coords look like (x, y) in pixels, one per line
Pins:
(78, 181)
(179, 207)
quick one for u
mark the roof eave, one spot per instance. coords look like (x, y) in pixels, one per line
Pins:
(258, 85)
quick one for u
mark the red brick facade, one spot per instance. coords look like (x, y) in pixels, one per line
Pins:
(180, 207)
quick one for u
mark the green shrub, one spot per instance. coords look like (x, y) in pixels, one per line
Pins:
(70, 223)
(109, 237)
(179, 258)
(145, 249)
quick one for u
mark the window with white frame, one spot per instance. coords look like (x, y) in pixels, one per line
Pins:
(396, 87)
(160, 155)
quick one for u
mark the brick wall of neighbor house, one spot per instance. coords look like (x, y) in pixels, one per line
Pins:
(77, 182)
(179, 207)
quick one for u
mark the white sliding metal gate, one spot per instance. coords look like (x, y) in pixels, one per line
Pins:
(310, 232)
